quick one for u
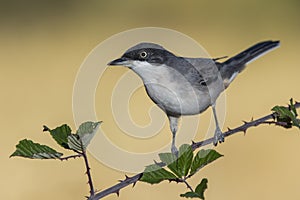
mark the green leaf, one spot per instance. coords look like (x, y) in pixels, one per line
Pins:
(167, 158)
(287, 115)
(283, 112)
(74, 143)
(204, 157)
(180, 166)
(171, 161)
(87, 131)
(29, 149)
(199, 192)
(60, 135)
(190, 195)
(185, 159)
(200, 189)
(155, 174)
(292, 107)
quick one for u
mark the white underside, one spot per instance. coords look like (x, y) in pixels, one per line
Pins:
(171, 91)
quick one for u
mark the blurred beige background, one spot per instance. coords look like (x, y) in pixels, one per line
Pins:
(43, 44)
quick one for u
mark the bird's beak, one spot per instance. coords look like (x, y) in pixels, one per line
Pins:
(120, 61)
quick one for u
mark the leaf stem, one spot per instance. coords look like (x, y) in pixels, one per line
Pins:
(188, 185)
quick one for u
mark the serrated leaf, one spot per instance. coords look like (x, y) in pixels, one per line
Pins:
(171, 161)
(287, 115)
(29, 149)
(74, 143)
(292, 107)
(296, 122)
(190, 195)
(202, 158)
(167, 158)
(179, 166)
(155, 174)
(185, 159)
(283, 112)
(86, 132)
(60, 134)
(199, 191)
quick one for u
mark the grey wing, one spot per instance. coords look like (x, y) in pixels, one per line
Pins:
(207, 68)
(188, 70)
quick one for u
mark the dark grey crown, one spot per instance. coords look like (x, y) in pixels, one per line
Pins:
(150, 52)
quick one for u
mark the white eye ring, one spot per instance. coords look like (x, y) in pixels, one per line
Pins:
(143, 54)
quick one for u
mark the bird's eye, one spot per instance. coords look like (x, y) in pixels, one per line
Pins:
(143, 54)
(203, 83)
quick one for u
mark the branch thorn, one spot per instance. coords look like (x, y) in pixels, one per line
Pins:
(133, 184)
(245, 122)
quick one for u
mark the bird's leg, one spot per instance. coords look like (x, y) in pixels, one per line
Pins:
(218, 137)
(173, 126)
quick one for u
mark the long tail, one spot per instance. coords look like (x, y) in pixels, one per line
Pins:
(234, 65)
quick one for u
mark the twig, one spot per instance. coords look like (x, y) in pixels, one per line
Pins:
(88, 173)
(132, 180)
(230, 132)
(187, 185)
(69, 157)
(116, 188)
(283, 124)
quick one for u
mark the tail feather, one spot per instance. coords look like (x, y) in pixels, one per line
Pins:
(231, 67)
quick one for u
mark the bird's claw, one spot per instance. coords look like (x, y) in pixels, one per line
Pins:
(218, 137)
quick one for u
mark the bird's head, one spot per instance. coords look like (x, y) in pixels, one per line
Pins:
(142, 55)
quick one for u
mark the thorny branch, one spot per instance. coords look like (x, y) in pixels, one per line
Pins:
(268, 119)
(69, 157)
(88, 173)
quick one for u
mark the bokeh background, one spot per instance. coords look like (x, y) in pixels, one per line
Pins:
(43, 44)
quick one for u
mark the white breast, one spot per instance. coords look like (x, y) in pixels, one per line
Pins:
(170, 90)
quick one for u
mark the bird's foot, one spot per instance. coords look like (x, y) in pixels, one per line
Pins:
(218, 137)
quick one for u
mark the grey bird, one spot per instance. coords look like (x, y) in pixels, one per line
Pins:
(186, 86)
